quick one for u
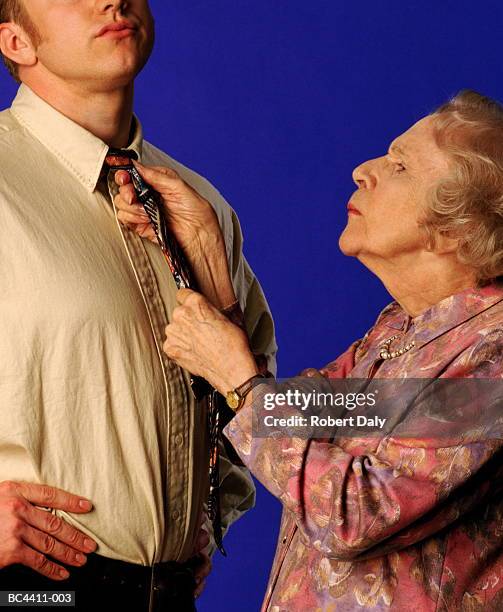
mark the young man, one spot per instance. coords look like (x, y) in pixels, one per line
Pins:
(98, 426)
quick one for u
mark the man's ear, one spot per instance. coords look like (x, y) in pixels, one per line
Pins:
(15, 44)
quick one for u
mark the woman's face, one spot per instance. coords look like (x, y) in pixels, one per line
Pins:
(392, 192)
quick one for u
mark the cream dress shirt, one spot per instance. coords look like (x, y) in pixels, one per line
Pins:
(88, 400)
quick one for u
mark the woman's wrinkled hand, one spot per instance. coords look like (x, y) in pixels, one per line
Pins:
(193, 223)
(204, 342)
(314, 373)
(190, 217)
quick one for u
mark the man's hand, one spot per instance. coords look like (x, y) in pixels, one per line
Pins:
(203, 567)
(204, 342)
(29, 535)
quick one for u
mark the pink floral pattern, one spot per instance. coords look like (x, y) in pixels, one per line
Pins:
(392, 523)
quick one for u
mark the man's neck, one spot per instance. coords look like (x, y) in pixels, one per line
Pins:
(106, 114)
(420, 282)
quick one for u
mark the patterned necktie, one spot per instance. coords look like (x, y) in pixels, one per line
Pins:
(121, 159)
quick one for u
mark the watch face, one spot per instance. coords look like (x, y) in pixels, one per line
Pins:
(232, 399)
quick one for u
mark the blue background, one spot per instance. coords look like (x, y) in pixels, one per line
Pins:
(276, 101)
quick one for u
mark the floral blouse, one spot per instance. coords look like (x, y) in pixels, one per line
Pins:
(393, 523)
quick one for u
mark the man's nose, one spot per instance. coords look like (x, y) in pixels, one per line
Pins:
(365, 176)
(111, 5)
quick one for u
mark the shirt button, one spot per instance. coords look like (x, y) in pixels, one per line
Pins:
(179, 439)
(175, 515)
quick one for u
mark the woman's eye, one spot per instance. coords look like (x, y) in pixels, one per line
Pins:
(399, 167)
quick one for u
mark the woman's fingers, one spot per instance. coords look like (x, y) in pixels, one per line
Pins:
(132, 214)
(190, 218)
(126, 196)
(122, 177)
(193, 305)
(158, 176)
(135, 217)
(183, 295)
(165, 181)
(312, 373)
(177, 339)
(204, 342)
(128, 207)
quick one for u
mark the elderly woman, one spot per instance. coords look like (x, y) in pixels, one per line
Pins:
(381, 524)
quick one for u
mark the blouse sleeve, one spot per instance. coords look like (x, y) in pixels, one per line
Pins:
(382, 495)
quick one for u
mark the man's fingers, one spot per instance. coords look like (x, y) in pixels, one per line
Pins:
(41, 564)
(203, 568)
(49, 545)
(58, 528)
(203, 539)
(50, 497)
(199, 588)
(201, 572)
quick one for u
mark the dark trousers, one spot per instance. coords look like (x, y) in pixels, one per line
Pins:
(106, 584)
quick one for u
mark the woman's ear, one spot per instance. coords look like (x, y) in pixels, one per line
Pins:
(444, 243)
(15, 44)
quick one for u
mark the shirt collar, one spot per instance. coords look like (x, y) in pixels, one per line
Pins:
(446, 314)
(78, 150)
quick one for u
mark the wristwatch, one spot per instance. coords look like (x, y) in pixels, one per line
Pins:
(235, 398)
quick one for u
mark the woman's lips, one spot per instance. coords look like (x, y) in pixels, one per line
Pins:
(352, 210)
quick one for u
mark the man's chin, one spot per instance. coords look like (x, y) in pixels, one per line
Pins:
(122, 67)
(114, 77)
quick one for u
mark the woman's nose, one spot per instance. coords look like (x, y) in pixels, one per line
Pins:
(364, 175)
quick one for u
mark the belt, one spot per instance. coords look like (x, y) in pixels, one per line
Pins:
(107, 583)
(117, 573)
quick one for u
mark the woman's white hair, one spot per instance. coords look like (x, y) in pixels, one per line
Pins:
(468, 204)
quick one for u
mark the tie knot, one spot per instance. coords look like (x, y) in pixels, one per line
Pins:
(120, 159)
